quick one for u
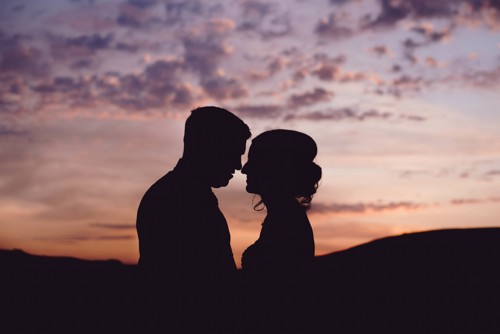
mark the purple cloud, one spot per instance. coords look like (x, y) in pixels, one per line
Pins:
(113, 226)
(253, 14)
(315, 96)
(350, 114)
(158, 86)
(394, 11)
(331, 28)
(379, 50)
(365, 207)
(142, 3)
(135, 14)
(8, 131)
(264, 20)
(223, 88)
(259, 111)
(19, 57)
(482, 78)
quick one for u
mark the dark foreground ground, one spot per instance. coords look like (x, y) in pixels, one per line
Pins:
(445, 281)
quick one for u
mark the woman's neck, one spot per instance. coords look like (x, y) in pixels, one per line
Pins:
(279, 203)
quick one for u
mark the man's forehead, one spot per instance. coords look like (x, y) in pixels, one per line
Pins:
(232, 145)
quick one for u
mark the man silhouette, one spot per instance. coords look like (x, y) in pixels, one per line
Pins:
(184, 241)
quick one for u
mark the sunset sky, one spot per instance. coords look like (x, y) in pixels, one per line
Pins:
(402, 98)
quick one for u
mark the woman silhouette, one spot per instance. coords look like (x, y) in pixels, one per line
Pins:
(280, 169)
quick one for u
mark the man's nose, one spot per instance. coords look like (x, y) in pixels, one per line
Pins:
(244, 169)
(237, 165)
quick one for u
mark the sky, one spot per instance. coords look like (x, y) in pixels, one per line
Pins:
(401, 96)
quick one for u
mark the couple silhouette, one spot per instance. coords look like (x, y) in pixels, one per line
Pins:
(189, 280)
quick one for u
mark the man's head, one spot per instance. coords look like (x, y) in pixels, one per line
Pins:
(214, 141)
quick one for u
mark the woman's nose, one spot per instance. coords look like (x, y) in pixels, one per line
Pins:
(244, 169)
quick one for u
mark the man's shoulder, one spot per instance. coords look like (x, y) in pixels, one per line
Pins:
(167, 187)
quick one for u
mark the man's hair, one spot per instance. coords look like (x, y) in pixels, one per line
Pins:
(213, 125)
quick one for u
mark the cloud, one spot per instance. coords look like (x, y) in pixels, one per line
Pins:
(18, 8)
(127, 47)
(259, 111)
(365, 207)
(73, 238)
(92, 42)
(433, 62)
(221, 87)
(310, 98)
(159, 85)
(391, 12)
(90, 2)
(83, 64)
(332, 72)
(80, 50)
(331, 27)
(350, 114)
(9, 131)
(183, 12)
(403, 85)
(83, 46)
(135, 14)
(471, 171)
(264, 19)
(380, 50)
(205, 47)
(19, 57)
(339, 115)
(415, 118)
(481, 78)
(457, 12)
(490, 173)
(339, 2)
(430, 34)
(274, 66)
(113, 226)
(468, 201)
(327, 68)
(253, 14)
(142, 3)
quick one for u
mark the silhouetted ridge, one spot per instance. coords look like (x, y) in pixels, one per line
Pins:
(444, 281)
(66, 295)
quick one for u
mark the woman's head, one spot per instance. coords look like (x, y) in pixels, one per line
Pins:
(280, 164)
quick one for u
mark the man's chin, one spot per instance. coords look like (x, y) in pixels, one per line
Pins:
(250, 190)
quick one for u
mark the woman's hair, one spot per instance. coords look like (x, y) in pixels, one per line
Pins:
(290, 154)
(307, 185)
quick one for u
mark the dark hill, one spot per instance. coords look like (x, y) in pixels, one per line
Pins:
(42, 294)
(445, 281)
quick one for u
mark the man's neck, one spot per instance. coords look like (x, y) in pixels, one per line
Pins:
(193, 171)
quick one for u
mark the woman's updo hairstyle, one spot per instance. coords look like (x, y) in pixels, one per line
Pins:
(290, 154)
